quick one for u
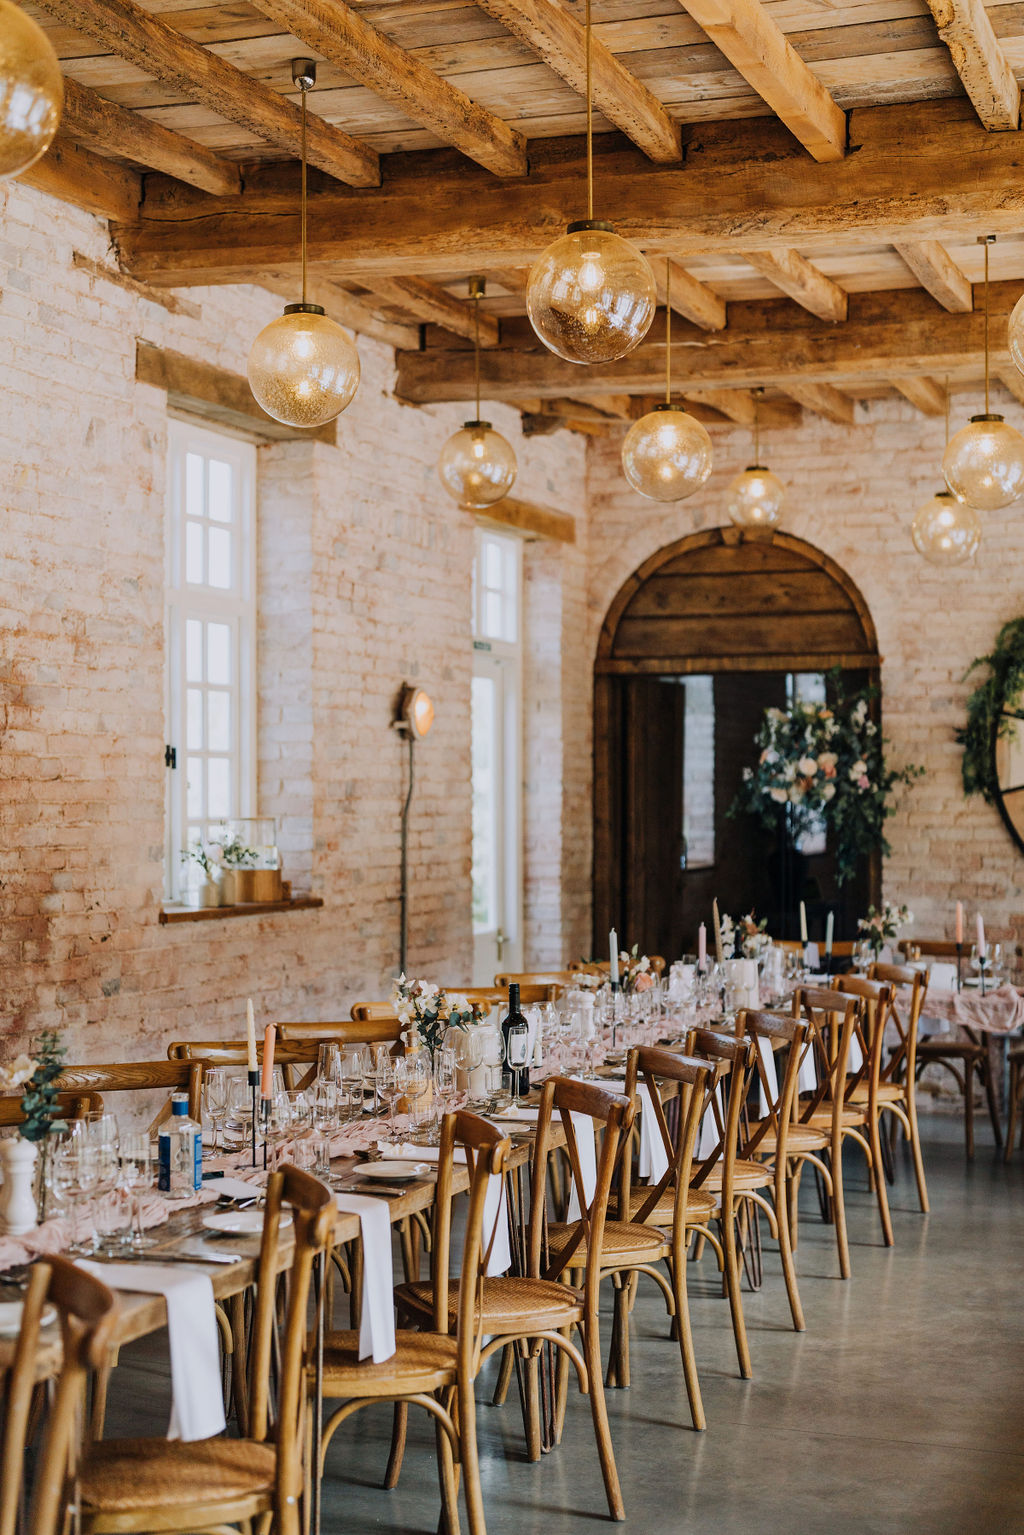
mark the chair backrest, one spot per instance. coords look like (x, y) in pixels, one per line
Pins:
(71, 1105)
(485, 1149)
(367, 1012)
(902, 1063)
(614, 1113)
(691, 1077)
(551, 982)
(772, 1032)
(174, 1076)
(313, 1215)
(234, 1052)
(733, 1056)
(368, 1031)
(88, 1312)
(832, 1021)
(869, 1028)
(935, 948)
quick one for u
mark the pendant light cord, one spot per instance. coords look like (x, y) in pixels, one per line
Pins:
(590, 121)
(476, 349)
(303, 194)
(668, 331)
(947, 410)
(757, 426)
(986, 325)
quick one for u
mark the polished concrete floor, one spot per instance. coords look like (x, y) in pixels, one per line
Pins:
(900, 1408)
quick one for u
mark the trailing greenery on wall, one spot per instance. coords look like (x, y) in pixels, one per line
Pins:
(1005, 680)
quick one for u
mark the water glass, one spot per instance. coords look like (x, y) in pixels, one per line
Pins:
(321, 1146)
(328, 1060)
(136, 1175)
(215, 1100)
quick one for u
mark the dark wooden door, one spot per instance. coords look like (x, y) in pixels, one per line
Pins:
(654, 721)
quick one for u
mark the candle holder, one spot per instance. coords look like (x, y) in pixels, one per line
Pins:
(959, 967)
(266, 1122)
(982, 963)
(254, 1082)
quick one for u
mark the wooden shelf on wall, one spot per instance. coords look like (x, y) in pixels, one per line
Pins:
(249, 909)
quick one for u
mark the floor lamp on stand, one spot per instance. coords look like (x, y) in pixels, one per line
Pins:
(413, 719)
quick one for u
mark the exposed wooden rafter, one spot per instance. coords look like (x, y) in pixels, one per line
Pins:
(691, 298)
(343, 308)
(557, 37)
(886, 334)
(428, 302)
(926, 393)
(920, 174)
(205, 77)
(824, 400)
(936, 271)
(99, 124)
(334, 30)
(801, 280)
(979, 60)
(755, 45)
(88, 180)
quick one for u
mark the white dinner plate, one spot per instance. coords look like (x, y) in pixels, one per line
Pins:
(395, 1171)
(239, 1223)
(10, 1317)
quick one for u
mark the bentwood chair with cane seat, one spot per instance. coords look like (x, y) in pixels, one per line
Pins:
(382, 1029)
(551, 981)
(832, 1023)
(297, 1061)
(898, 1077)
(665, 1204)
(539, 1306)
(865, 1089)
(87, 1311)
(154, 1485)
(70, 1105)
(434, 1368)
(965, 1055)
(1015, 1060)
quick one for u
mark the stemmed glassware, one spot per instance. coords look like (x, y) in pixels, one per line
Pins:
(350, 1083)
(216, 1100)
(136, 1175)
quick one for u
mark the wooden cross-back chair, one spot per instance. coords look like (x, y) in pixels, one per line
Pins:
(548, 982)
(603, 966)
(965, 1055)
(297, 1060)
(173, 1076)
(898, 1077)
(539, 1306)
(832, 1023)
(434, 1368)
(88, 1314)
(1015, 1091)
(161, 1485)
(71, 1106)
(770, 1140)
(666, 1204)
(385, 1030)
(870, 1034)
(927, 948)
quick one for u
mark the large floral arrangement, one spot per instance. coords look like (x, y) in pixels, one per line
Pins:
(430, 1011)
(817, 762)
(881, 927)
(634, 970)
(744, 936)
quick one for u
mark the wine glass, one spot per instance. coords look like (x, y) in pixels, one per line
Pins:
(239, 1113)
(215, 1099)
(416, 1085)
(328, 1060)
(350, 1084)
(136, 1175)
(277, 1123)
(468, 1050)
(517, 1056)
(380, 1069)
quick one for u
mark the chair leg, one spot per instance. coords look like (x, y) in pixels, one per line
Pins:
(839, 1208)
(531, 1404)
(732, 1285)
(504, 1375)
(449, 1485)
(599, 1413)
(469, 1457)
(677, 1269)
(561, 1387)
(915, 1147)
(1012, 1110)
(969, 1109)
(399, 1429)
(881, 1191)
(989, 1069)
(786, 1249)
(618, 1354)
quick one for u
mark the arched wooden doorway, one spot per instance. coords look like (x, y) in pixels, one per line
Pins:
(706, 634)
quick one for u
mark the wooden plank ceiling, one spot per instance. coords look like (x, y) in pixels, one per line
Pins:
(817, 173)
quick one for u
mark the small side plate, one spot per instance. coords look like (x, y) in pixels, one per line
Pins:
(239, 1223)
(397, 1170)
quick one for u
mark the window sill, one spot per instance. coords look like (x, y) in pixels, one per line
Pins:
(250, 909)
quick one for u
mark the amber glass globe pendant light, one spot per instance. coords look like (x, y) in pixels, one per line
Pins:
(303, 368)
(946, 531)
(31, 91)
(984, 463)
(591, 296)
(477, 466)
(756, 495)
(667, 453)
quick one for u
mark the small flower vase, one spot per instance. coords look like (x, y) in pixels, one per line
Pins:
(17, 1193)
(209, 894)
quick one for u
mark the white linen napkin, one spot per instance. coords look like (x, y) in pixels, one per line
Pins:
(942, 976)
(197, 1403)
(767, 1055)
(377, 1316)
(653, 1157)
(707, 1139)
(583, 1126)
(495, 1204)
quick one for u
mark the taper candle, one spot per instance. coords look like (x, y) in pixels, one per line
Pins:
(250, 1036)
(613, 955)
(267, 1080)
(829, 930)
(803, 923)
(719, 954)
(981, 937)
(959, 921)
(702, 947)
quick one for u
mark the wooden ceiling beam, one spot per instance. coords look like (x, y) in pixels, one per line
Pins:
(927, 394)
(757, 47)
(691, 298)
(436, 306)
(736, 405)
(824, 400)
(1012, 381)
(979, 60)
(559, 40)
(774, 414)
(801, 281)
(333, 30)
(204, 77)
(99, 124)
(78, 176)
(886, 335)
(937, 272)
(342, 307)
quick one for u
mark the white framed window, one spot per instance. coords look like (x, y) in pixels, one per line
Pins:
(497, 878)
(210, 638)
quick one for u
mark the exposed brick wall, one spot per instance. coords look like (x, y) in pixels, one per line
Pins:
(852, 492)
(365, 571)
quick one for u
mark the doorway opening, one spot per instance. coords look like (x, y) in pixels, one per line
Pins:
(706, 635)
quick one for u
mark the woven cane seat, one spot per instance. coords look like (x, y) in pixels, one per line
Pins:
(699, 1206)
(422, 1361)
(510, 1304)
(746, 1176)
(888, 1092)
(629, 1241)
(125, 1476)
(798, 1138)
(821, 1118)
